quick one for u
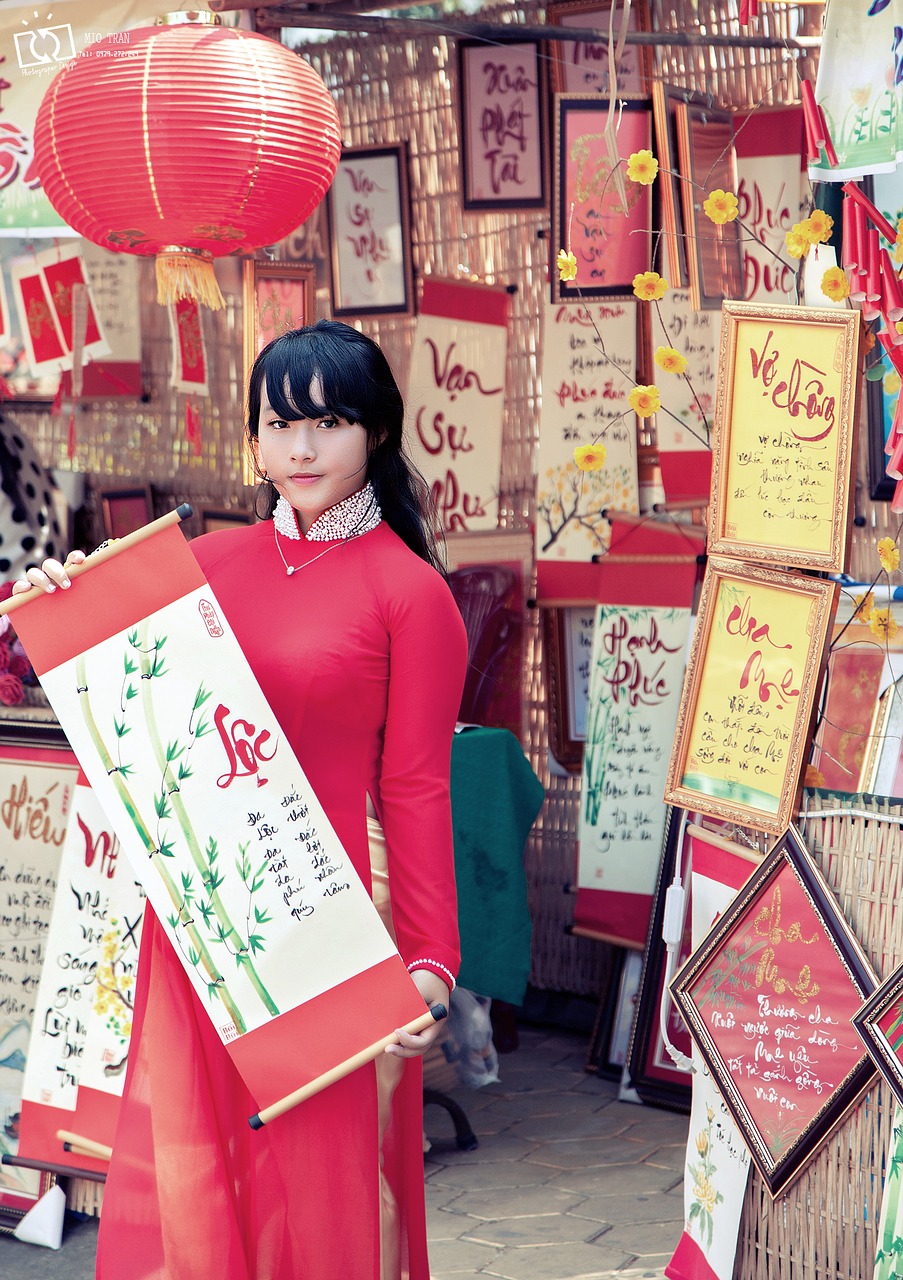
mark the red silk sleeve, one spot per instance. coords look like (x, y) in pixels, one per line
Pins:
(427, 661)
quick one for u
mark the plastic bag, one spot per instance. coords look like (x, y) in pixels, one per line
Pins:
(468, 1039)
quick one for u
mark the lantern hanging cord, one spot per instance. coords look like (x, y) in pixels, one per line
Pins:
(187, 273)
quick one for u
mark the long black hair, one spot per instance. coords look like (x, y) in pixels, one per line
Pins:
(357, 385)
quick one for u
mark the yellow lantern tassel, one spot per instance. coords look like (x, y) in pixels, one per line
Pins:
(187, 273)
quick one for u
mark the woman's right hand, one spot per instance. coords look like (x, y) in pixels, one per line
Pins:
(51, 575)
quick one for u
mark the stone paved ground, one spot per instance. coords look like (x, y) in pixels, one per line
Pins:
(567, 1183)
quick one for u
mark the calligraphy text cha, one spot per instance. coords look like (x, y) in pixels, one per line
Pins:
(757, 671)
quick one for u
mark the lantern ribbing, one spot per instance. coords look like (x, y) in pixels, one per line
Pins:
(222, 141)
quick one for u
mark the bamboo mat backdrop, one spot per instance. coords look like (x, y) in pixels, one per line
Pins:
(406, 89)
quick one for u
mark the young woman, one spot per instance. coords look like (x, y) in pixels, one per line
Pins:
(358, 645)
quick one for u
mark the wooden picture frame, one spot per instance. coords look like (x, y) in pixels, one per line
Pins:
(879, 413)
(708, 162)
(845, 741)
(277, 297)
(32, 723)
(786, 427)
(657, 1080)
(665, 98)
(748, 698)
(499, 663)
(212, 520)
(502, 121)
(611, 245)
(769, 999)
(878, 1023)
(882, 773)
(579, 66)
(568, 646)
(369, 217)
(125, 510)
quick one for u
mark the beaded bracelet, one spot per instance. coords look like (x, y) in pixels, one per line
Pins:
(434, 964)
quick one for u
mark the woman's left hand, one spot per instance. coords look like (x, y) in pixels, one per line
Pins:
(434, 991)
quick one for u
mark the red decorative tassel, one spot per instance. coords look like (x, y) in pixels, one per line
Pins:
(57, 405)
(896, 502)
(894, 354)
(6, 391)
(873, 279)
(70, 444)
(850, 238)
(894, 466)
(878, 219)
(830, 153)
(810, 114)
(891, 290)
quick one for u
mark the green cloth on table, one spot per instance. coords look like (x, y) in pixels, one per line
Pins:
(495, 798)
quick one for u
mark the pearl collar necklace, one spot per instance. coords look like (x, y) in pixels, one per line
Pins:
(353, 516)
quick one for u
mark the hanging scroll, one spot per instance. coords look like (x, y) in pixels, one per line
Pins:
(456, 400)
(36, 790)
(683, 424)
(589, 357)
(639, 651)
(240, 863)
(83, 1011)
(716, 1168)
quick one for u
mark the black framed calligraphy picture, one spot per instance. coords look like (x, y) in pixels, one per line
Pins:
(502, 125)
(769, 997)
(369, 219)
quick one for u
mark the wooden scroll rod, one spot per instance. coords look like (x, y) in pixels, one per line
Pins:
(435, 1014)
(80, 1146)
(103, 553)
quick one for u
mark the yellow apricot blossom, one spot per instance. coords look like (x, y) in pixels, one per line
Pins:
(835, 285)
(649, 286)
(864, 606)
(590, 457)
(883, 624)
(797, 242)
(721, 206)
(670, 360)
(818, 226)
(889, 554)
(566, 262)
(642, 167)
(645, 401)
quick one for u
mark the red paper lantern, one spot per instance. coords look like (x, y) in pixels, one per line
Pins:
(188, 142)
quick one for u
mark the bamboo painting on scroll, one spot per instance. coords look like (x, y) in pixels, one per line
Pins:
(786, 422)
(240, 863)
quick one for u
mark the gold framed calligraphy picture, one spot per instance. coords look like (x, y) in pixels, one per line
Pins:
(769, 998)
(748, 698)
(369, 216)
(277, 296)
(786, 424)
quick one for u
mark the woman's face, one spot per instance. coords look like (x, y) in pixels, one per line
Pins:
(313, 462)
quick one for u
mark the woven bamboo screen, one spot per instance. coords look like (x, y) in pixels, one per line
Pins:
(406, 89)
(826, 1225)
